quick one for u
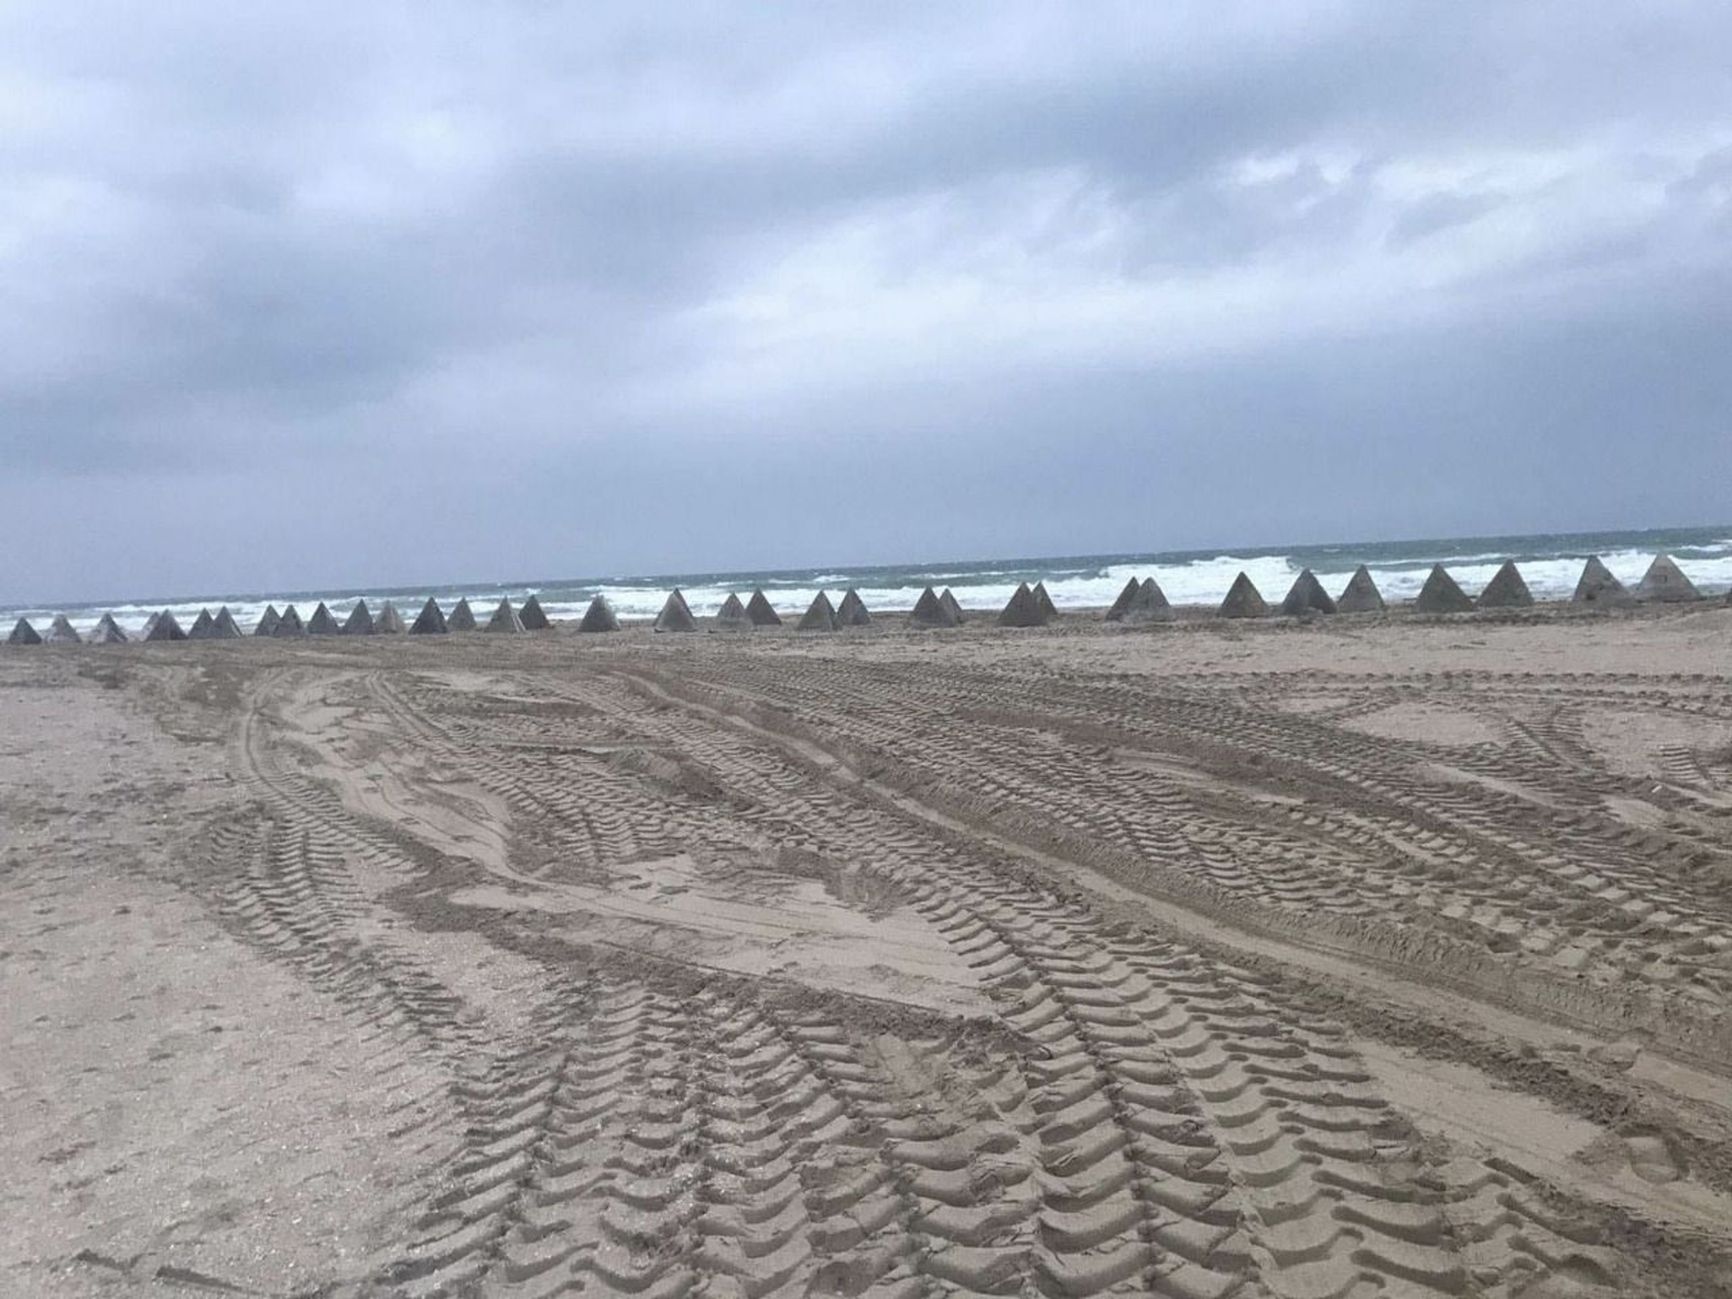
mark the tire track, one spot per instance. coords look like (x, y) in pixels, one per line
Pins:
(1214, 1174)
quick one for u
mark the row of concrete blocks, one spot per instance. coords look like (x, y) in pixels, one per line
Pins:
(432, 621)
(1664, 582)
(322, 622)
(675, 616)
(1140, 601)
(1144, 601)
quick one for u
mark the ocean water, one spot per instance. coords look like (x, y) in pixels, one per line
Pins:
(1551, 563)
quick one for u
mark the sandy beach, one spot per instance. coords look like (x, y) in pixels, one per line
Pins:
(1350, 957)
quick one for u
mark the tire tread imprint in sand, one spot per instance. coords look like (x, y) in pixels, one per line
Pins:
(1173, 1126)
(1560, 883)
(1100, 1018)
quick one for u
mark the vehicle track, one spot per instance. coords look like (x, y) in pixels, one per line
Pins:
(1175, 1083)
(1358, 823)
(1150, 1120)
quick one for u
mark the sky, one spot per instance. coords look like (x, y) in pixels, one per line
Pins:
(345, 294)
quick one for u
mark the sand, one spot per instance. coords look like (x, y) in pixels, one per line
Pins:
(1371, 955)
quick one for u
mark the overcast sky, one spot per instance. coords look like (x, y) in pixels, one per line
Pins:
(346, 294)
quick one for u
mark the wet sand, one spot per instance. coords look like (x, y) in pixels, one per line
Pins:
(1366, 956)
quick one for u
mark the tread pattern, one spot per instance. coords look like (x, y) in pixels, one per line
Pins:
(1133, 1116)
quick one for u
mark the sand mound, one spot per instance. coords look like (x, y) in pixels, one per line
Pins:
(599, 617)
(759, 611)
(165, 628)
(1244, 600)
(462, 616)
(225, 625)
(1133, 589)
(505, 619)
(1307, 596)
(531, 615)
(359, 621)
(63, 632)
(1150, 605)
(1044, 600)
(852, 611)
(929, 612)
(1665, 583)
(289, 624)
(1440, 594)
(1506, 590)
(430, 621)
(322, 624)
(820, 616)
(732, 616)
(675, 615)
(1360, 595)
(1023, 609)
(1598, 586)
(108, 632)
(268, 621)
(23, 634)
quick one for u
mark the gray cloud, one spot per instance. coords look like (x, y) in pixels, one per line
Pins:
(586, 282)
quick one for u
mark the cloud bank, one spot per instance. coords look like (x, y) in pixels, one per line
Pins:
(378, 293)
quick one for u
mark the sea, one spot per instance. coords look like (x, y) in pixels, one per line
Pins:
(1551, 563)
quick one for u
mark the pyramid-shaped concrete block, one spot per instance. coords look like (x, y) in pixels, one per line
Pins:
(203, 627)
(144, 633)
(820, 616)
(62, 632)
(430, 621)
(759, 611)
(289, 624)
(676, 616)
(929, 612)
(1597, 585)
(852, 611)
(1133, 589)
(1440, 594)
(1507, 589)
(225, 625)
(24, 634)
(322, 624)
(1244, 600)
(1307, 596)
(165, 628)
(360, 621)
(1665, 583)
(599, 617)
(732, 616)
(1023, 609)
(531, 615)
(1360, 595)
(1148, 605)
(268, 621)
(462, 617)
(389, 622)
(108, 632)
(505, 619)
(948, 600)
(1047, 607)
